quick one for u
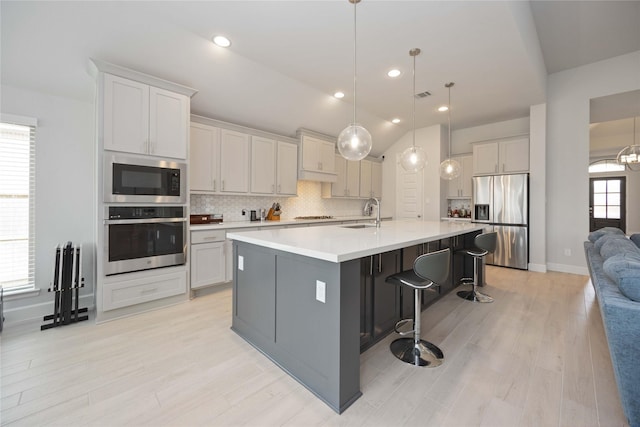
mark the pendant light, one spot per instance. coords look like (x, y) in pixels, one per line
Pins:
(629, 156)
(413, 159)
(450, 168)
(354, 142)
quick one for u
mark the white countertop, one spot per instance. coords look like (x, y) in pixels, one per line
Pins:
(282, 222)
(336, 243)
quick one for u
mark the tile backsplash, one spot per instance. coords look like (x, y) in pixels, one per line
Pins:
(308, 202)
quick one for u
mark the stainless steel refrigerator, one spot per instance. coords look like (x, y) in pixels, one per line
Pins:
(502, 202)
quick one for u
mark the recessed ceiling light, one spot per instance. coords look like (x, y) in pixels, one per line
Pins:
(394, 73)
(443, 108)
(395, 121)
(221, 41)
(339, 95)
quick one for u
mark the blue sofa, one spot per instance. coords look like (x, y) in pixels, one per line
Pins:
(614, 266)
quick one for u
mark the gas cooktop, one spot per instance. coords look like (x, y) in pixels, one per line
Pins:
(314, 217)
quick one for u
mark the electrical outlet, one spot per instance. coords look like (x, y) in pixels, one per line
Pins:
(321, 291)
(240, 263)
(567, 252)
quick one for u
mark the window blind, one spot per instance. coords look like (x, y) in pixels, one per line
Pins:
(17, 203)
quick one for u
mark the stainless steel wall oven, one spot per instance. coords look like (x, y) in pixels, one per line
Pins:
(141, 238)
(137, 180)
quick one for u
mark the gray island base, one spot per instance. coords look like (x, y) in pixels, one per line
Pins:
(297, 296)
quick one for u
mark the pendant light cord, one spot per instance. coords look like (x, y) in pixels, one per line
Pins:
(355, 51)
(449, 105)
(413, 95)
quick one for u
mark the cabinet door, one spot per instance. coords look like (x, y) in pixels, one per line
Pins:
(339, 188)
(287, 169)
(353, 178)
(126, 115)
(514, 155)
(485, 158)
(168, 123)
(311, 153)
(263, 165)
(376, 179)
(204, 158)
(228, 256)
(386, 297)
(365, 178)
(327, 153)
(466, 175)
(234, 161)
(207, 264)
(453, 185)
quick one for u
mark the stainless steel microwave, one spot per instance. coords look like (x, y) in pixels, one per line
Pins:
(138, 180)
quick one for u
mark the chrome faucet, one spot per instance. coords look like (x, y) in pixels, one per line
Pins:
(367, 209)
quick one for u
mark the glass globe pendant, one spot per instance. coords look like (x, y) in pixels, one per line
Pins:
(413, 159)
(354, 142)
(450, 168)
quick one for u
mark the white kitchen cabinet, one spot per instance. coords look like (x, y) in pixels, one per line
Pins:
(143, 119)
(348, 178)
(263, 165)
(460, 187)
(503, 156)
(316, 159)
(130, 289)
(287, 169)
(234, 161)
(370, 179)
(208, 258)
(204, 158)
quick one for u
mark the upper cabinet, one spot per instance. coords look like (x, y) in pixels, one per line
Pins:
(460, 187)
(263, 165)
(500, 157)
(370, 179)
(224, 161)
(287, 169)
(234, 161)
(204, 162)
(143, 119)
(316, 158)
(348, 179)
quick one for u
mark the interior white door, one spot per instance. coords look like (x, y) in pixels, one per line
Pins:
(408, 193)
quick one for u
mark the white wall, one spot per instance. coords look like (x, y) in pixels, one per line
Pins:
(568, 96)
(537, 188)
(65, 150)
(430, 139)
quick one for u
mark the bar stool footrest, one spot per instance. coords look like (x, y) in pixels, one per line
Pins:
(400, 324)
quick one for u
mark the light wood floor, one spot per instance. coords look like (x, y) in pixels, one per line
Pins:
(537, 356)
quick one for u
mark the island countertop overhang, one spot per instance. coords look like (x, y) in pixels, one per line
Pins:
(339, 243)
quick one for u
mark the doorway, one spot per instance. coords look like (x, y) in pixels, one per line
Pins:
(408, 192)
(607, 203)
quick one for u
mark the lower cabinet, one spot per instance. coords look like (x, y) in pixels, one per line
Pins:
(136, 288)
(379, 300)
(208, 258)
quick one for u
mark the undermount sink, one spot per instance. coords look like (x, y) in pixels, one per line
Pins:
(359, 226)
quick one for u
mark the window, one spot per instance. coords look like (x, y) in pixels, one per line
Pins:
(607, 165)
(17, 203)
(606, 198)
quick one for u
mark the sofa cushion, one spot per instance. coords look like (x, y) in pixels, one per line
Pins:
(618, 246)
(595, 235)
(604, 239)
(635, 238)
(624, 270)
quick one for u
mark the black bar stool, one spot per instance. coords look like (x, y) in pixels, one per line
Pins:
(428, 270)
(485, 243)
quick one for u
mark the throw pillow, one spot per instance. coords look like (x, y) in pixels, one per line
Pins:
(618, 246)
(624, 270)
(595, 235)
(635, 238)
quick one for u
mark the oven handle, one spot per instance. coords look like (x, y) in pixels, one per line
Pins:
(142, 221)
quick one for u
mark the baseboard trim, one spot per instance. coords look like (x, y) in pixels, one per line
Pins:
(35, 312)
(538, 268)
(565, 268)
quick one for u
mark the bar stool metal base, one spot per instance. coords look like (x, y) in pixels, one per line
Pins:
(474, 296)
(427, 354)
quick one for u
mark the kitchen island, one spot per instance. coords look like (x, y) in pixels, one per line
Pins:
(297, 295)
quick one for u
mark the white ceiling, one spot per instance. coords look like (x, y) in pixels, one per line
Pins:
(288, 57)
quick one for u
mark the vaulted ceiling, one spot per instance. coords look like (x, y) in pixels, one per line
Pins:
(287, 58)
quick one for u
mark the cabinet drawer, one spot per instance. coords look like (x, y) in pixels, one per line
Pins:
(144, 289)
(207, 236)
